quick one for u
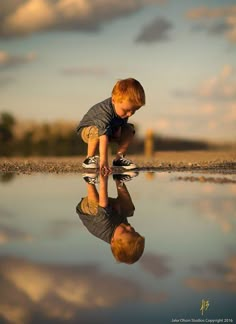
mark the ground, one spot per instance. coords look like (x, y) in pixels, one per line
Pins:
(211, 161)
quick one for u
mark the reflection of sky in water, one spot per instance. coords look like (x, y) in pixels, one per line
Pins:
(51, 268)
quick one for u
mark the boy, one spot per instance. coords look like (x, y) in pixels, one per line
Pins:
(108, 121)
(106, 218)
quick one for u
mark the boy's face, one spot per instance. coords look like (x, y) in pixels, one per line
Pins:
(125, 108)
(124, 232)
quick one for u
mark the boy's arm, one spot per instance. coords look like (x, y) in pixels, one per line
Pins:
(103, 193)
(103, 150)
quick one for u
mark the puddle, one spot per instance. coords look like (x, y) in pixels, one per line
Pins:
(53, 270)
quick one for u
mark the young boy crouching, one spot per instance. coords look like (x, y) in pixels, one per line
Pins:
(108, 121)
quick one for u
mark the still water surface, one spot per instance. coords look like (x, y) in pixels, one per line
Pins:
(52, 270)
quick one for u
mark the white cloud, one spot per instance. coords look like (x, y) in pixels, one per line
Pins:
(30, 16)
(9, 234)
(218, 87)
(8, 60)
(221, 86)
(230, 114)
(63, 292)
(220, 277)
(157, 265)
(216, 20)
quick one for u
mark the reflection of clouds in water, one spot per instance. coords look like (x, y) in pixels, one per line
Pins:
(62, 227)
(62, 292)
(216, 276)
(233, 189)
(156, 265)
(208, 188)
(221, 211)
(9, 234)
(4, 213)
(216, 203)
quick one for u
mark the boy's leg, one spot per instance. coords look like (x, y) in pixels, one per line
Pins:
(92, 147)
(90, 136)
(92, 193)
(126, 137)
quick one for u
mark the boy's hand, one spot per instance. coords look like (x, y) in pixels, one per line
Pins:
(104, 167)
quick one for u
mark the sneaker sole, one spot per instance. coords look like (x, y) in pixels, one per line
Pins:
(91, 166)
(130, 167)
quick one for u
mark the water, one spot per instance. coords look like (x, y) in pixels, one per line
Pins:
(52, 270)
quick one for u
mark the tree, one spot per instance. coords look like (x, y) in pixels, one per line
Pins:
(7, 121)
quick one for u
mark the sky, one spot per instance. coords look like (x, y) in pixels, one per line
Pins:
(60, 57)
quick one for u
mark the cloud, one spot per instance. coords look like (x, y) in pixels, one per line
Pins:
(62, 227)
(24, 17)
(230, 114)
(62, 293)
(216, 276)
(156, 31)
(218, 211)
(216, 21)
(216, 118)
(211, 269)
(222, 86)
(155, 264)
(218, 87)
(5, 81)
(4, 213)
(85, 71)
(8, 60)
(212, 28)
(9, 234)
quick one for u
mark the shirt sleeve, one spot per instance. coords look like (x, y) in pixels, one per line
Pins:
(103, 128)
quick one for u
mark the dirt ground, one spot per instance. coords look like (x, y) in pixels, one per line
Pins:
(211, 161)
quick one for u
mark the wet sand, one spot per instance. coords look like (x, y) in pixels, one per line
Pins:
(204, 161)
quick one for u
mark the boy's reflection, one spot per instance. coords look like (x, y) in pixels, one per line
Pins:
(106, 217)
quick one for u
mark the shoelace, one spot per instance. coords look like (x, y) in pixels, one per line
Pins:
(93, 159)
(125, 178)
(92, 180)
(125, 161)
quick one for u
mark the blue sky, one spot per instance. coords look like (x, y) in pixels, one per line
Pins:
(58, 58)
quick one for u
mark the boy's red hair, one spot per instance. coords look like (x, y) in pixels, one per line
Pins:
(128, 251)
(129, 89)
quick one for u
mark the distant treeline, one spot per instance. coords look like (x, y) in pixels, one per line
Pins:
(60, 139)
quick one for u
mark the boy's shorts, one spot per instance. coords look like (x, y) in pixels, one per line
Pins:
(88, 206)
(91, 132)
